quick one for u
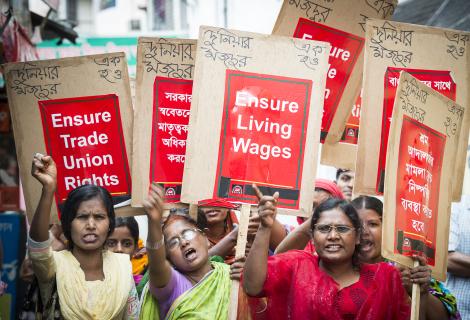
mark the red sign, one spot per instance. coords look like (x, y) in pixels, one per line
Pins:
(419, 172)
(351, 130)
(172, 101)
(9, 198)
(440, 81)
(84, 137)
(262, 139)
(345, 49)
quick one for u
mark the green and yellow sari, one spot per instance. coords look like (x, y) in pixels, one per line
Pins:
(208, 299)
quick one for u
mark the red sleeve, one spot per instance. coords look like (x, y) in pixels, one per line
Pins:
(403, 308)
(279, 274)
(310, 248)
(395, 297)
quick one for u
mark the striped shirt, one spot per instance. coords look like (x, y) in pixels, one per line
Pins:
(459, 240)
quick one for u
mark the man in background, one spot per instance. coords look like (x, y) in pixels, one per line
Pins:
(458, 269)
(345, 182)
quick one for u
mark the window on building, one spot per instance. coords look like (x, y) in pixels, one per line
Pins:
(163, 15)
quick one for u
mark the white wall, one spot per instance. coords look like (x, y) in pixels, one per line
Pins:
(253, 15)
(115, 21)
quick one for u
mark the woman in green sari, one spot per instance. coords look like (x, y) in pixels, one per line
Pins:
(184, 283)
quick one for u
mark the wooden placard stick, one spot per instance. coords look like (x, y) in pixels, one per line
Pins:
(415, 297)
(239, 252)
(193, 211)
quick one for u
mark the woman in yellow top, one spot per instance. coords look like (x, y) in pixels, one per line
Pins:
(86, 281)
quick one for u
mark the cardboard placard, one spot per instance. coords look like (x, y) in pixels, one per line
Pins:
(441, 81)
(333, 154)
(165, 69)
(407, 46)
(342, 23)
(423, 143)
(254, 119)
(351, 131)
(79, 111)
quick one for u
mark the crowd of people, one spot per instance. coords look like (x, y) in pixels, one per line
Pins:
(94, 265)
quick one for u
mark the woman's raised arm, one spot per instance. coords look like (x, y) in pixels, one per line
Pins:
(45, 171)
(159, 267)
(256, 263)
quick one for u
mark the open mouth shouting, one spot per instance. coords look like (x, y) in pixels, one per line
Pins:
(367, 246)
(90, 238)
(190, 254)
(334, 247)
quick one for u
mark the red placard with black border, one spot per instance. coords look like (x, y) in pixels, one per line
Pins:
(345, 50)
(351, 131)
(438, 80)
(417, 189)
(262, 138)
(84, 136)
(172, 102)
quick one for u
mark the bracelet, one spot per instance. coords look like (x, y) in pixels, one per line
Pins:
(155, 245)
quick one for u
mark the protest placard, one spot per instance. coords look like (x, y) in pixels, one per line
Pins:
(78, 110)
(254, 119)
(164, 83)
(441, 81)
(341, 23)
(407, 47)
(334, 153)
(423, 142)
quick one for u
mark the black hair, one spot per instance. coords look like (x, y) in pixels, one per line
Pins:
(366, 202)
(340, 171)
(179, 214)
(349, 211)
(73, 201)
(201, 219)
(131, 224)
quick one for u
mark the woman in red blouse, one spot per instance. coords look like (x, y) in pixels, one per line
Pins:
(332, 285)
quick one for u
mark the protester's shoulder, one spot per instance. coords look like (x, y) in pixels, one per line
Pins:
(221, 266)
(122, 257)
(61, 255)
(118, 259)
(381, 267)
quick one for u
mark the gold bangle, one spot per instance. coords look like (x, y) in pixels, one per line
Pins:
(155, 245)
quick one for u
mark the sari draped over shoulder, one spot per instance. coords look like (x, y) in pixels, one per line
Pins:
(208, 299)
(105, 299)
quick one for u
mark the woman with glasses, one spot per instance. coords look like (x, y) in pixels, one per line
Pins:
(184, 283)
(330, 285)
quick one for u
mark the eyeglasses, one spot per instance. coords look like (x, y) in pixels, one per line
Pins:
(188, 234)
(326, 228)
